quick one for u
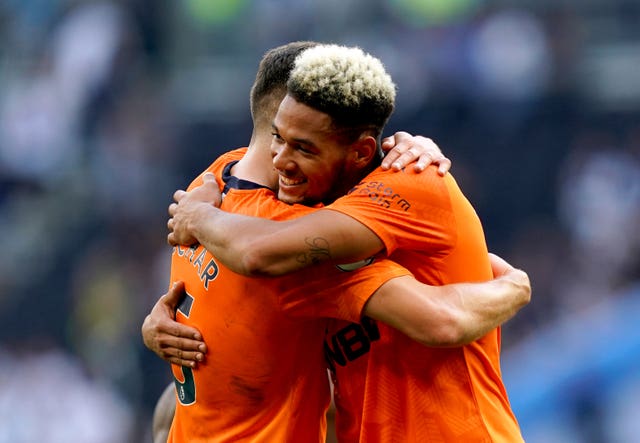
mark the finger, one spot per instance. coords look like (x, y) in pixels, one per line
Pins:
(183, 361)
(182, 346)
(195, 356)
(443, 166)
(408, 157)
(173, 208)
(425, 145)
(394, 151)
(178, 194)
(389, 159)
(396, 145)
(387, 143)
(179, 362)
(401, 136)
(499, 266)
(422, 163)
(428, 158)
(192, 336)
(179, 335)
(174, 295)
(170, 224)
(396, 158)
(171, 239)
(181, 357)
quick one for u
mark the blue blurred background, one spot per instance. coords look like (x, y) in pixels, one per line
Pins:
(107, 107)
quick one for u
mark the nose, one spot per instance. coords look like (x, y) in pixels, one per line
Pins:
(281, 155)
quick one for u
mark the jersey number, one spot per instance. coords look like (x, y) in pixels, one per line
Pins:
(186, 389)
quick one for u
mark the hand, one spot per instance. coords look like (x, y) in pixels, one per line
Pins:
(403, 148)
(172, 341)
(188, 206)
(515, 277)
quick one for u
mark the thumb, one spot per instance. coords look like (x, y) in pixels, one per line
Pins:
(173, 297)
(388, 143)
(208, 177)
(499, 266)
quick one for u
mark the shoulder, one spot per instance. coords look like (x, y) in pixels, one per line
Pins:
(234, 154)
(402, 186)
(407, 178)
(218, 166)
(262, 202)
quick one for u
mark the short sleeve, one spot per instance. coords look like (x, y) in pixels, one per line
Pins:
(327, 291)
(407, 210)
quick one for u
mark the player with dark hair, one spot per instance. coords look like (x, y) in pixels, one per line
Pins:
(266, 367)
(395, 389)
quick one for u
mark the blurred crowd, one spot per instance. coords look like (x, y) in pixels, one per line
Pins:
(107, 107)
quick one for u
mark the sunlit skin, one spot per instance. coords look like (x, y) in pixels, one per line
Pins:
(313, 164)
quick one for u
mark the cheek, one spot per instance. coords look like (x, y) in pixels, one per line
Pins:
(319, 174)
(327, 180)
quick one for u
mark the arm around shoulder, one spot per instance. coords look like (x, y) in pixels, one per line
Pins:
(259, 247)
(449, 315)
(427, 314)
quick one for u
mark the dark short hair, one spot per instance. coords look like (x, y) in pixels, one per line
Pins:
(273, 73)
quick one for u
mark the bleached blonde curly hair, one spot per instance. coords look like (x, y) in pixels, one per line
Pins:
(346, 83)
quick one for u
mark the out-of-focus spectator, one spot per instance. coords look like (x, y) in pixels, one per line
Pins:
(509, 57)
(599, 204)
(46, 396)
(106, 107)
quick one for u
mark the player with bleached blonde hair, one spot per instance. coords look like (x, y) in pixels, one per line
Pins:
(322, 148)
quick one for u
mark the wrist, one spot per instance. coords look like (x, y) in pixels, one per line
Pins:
(204, 221)
(201, 213)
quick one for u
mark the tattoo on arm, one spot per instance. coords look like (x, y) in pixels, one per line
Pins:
(318, 251)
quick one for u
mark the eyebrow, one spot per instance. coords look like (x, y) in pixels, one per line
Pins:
(302, 141)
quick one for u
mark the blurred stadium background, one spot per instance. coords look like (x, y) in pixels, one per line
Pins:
(107, 107)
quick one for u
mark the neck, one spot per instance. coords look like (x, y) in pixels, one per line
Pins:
(257, 166)
(350, 178)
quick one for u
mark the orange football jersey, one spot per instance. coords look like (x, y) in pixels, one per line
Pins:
(264, 378)
(408, 392)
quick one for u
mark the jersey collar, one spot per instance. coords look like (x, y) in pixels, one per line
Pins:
(233, 182)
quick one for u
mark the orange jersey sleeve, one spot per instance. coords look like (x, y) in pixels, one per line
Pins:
(422, 216)
(326, 291)
(393, 207)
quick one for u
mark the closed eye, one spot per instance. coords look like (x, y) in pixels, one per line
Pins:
(302, 149)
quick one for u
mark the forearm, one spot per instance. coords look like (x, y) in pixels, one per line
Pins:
(450, 315)
(481, 307)
(247, 245)
(256, 246)
(224, 234)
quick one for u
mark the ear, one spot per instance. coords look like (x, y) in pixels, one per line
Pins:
(363, 151)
